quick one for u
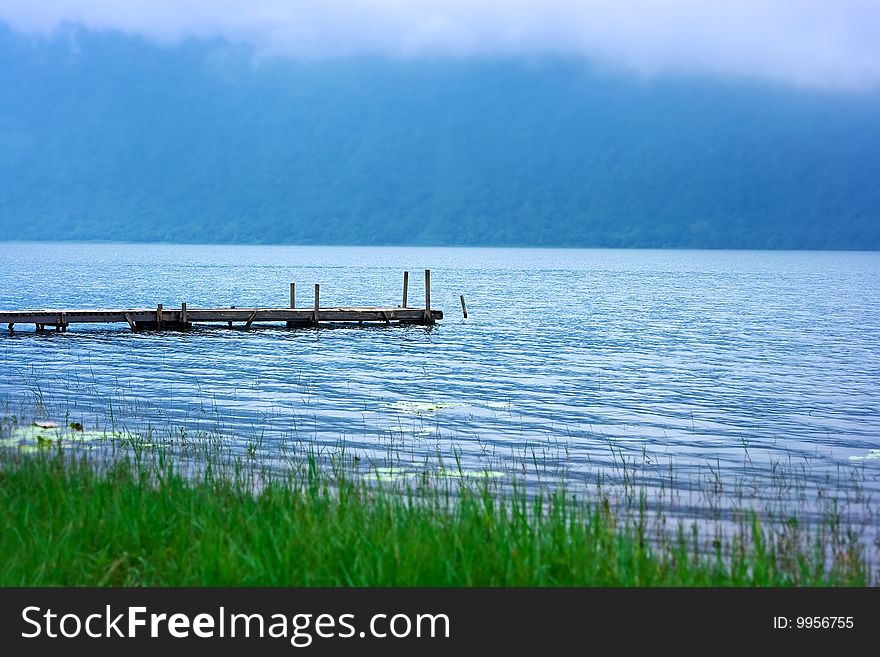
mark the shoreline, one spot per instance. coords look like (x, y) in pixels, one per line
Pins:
(156, 512)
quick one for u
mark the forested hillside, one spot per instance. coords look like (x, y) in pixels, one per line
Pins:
(109, 137)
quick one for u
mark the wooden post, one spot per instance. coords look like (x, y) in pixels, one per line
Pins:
(291, 324)
(405, 287)
(428, 318)
(317, 301)
(183, 314)
(463, 307)
(159, 317)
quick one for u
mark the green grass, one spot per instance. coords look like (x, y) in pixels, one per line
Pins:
(73, 519)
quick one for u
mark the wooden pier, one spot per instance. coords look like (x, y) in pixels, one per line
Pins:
(182, 318)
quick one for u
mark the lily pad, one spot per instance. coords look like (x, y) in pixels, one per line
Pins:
(89, 436)
(420, 407)
(413, 432)
(36, 434)
(389, 475)
(447, 473)
(872, 454)
(47, 436)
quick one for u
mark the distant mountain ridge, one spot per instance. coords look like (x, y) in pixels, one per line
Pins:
(106, 137)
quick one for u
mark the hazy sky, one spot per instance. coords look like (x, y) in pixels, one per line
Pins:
(814, 43)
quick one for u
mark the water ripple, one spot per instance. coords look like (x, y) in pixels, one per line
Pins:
(574, 357)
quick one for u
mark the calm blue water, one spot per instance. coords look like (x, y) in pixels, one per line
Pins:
(570, 362)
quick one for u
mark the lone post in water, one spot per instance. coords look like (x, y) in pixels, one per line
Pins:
(463, 307)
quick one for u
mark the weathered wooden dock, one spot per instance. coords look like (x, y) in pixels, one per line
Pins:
(182, 317)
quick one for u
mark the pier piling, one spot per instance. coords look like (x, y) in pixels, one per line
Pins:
(428, 317)
(317, 302)
(405, 288)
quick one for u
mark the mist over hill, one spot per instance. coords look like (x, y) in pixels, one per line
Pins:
(109, 137)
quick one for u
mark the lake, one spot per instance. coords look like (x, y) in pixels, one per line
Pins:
(573, 364)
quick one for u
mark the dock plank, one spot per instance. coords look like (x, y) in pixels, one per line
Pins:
(135, 316)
